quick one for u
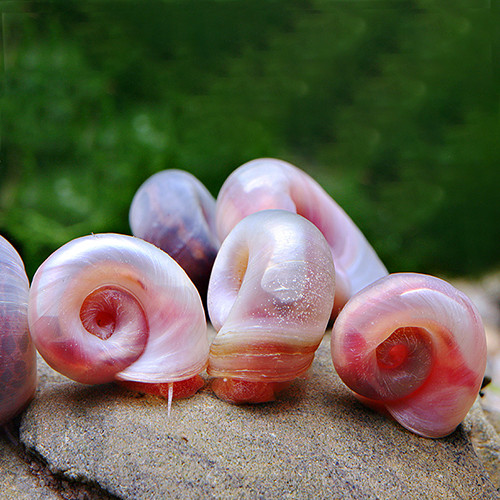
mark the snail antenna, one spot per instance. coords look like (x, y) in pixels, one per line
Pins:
(170, 396)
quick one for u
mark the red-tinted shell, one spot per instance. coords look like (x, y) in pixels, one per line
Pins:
(113, 307)
(18, 375)
(414, 346)
(270, 297)
(268, 183)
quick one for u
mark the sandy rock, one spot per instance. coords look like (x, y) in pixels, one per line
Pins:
(317, 441)
(17, 479)
(485, 439)
(485, 293)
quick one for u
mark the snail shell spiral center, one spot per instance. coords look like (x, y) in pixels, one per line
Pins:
(108, 308)
(404, 361)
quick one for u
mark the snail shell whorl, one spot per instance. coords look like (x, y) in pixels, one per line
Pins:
(269, 183)
(18, 375)
(270, 297)
(110, 306)
(175, 211)
(415, 345)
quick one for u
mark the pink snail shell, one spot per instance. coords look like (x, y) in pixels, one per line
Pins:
(270, 297)
(176, 212)
(114, 307)
(414, 346)
(18, 376)
(269, 183)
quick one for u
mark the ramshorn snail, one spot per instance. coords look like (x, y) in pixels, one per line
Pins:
(414, 346)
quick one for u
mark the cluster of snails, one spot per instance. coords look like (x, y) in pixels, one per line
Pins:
(274, 259)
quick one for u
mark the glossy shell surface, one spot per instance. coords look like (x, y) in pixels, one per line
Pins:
(176, 212)
(414, 346)
(270, 297)
(18, 375)
(269, 183)
(109, 306)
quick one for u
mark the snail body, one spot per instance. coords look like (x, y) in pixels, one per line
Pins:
(18, 374)
(269, 183)
(413, 346)
(113, 307)
(176, 212)
(269, 298)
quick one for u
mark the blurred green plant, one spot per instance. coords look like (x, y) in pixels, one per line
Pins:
(392, 106)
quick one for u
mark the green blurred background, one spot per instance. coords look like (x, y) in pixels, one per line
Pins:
(393, 106)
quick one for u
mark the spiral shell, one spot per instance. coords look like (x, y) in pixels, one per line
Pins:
(269, 183)
(414, 346)
(113, 307)
(269, 297)
(175, 211)
(18, 375)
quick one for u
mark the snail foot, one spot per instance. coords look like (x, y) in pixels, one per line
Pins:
(180, 389)
(239, 391)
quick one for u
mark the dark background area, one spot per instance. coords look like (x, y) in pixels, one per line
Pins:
(393, 106)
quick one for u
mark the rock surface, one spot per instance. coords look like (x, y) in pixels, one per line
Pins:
(317, 441)
(485, 439)
(17, 479)
(485, 293)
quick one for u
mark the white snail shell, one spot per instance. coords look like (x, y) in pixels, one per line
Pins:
(414, 346)
(18, 376)
(176, 212)
(270, 297)
(269, 183)
(109, 306)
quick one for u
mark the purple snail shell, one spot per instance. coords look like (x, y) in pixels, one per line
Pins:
(269, 183)
(18, 375)
(113, 307)
(413, 346)
(175, 211)
(269, 298)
